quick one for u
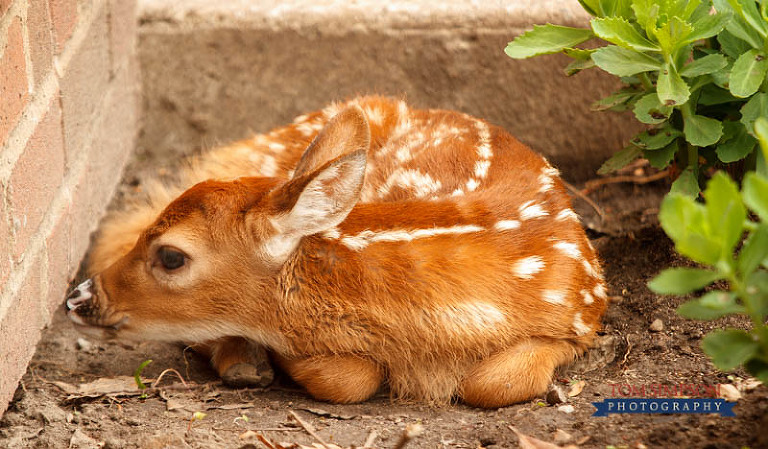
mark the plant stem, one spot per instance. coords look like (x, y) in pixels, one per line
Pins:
(645, 80)
(693, 151)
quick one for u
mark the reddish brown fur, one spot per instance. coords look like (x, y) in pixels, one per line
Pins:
(450, 313)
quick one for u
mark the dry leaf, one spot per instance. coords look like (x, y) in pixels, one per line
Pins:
(729, 393)
(327, 414)
(527, 442)
(124, 385)
(576, 388)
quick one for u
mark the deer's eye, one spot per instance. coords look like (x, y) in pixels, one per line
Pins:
(171, 259)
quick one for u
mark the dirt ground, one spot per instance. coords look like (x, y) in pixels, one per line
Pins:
(52, 409)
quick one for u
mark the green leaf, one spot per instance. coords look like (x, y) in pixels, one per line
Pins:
(738, 145)
(737, 25)
(611, 8)
(671, 88)
(619, 31)
(577, 66)
(761, 132)
(702, 131)
(681, 281)
(725, 212)
(620, 159)
(579, 53)
(686, 184)
(685, 223)
(622, 62)
(614, 100)
(660, 158)
(729, 348)
(653, 139)
(712, 95)
(748, 73)
(747, 10)
(711, 306)
(649, 110)
(732, 45)
(137, 374)
(704, 66)
(757, 106)
(671, 35)
(759, 369)
(757, 295)
(546, 39)
(706, 27)
(590, 6)
(755, 195)
(754, 251)
(647, 14)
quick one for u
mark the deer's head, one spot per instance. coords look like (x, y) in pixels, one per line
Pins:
(207, 267)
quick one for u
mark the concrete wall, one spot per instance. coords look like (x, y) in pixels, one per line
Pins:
(217, 71)
(68, 114)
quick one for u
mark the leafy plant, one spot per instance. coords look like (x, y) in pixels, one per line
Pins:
(694, 71)
(709, 234)
(137, 376)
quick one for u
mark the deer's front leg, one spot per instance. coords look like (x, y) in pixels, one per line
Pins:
(335, 378)
(238, 362)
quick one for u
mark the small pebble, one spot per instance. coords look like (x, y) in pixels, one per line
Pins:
(84, 345)
(657, 325)
(567, 408)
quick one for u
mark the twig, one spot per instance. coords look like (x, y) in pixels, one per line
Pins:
(586, 199)
(626, 355)
(371, 439)
(310, 430)
(593, 184)
(266, 429)
(169, 370)
(411, 431)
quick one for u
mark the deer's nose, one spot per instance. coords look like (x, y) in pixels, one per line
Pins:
(80, 295)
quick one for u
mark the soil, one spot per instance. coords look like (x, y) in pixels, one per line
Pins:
(50, 412)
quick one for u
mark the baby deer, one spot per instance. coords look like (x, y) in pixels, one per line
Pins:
(424, 249)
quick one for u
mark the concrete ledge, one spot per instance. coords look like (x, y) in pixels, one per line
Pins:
(218, 71)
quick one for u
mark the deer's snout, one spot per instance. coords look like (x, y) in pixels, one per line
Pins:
(80, 302)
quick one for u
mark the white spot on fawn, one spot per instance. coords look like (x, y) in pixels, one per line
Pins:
(588, 299)
(529, 210)
(268, 166)
(600, 292)
(591, 270)
(457, 192)
(473, 184)
(569, 249)
(484, 149)
(276, 146)
(578, 325)
(506, 225)
(554, 297)
(527, 267)
(481, 168)
(421, 183)
(546, 182)
(567, 214)
(477, 315)
(365, 238)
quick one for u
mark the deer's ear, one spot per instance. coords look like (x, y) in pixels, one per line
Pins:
(315, 202)
(347, 132)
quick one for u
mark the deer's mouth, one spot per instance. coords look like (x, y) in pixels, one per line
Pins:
(85, 311)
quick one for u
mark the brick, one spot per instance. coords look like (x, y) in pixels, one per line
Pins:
(36, 177)
(13, 80)
(61, 266)
(40, 34)
(122, 27)
(19, 333)
(84, 85)
(4, 5)
(5, 242)
(64, 19)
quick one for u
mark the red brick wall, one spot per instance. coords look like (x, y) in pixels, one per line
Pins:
(68, 116)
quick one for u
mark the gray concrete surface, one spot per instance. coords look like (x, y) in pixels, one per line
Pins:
(217, 71)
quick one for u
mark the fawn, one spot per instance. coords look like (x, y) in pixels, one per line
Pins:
(364, 244)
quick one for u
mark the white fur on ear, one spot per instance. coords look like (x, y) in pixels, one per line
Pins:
(324, 203)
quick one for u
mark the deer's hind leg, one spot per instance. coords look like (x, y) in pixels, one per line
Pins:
(515, 374)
